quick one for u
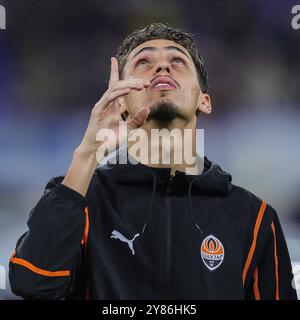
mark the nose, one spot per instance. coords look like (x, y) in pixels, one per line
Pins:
(163, 66)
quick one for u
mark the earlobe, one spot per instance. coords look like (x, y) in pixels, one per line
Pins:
(204, 104)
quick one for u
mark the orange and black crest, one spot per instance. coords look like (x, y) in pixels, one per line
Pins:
(212, 252)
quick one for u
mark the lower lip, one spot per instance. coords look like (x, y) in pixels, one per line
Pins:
(164, 88)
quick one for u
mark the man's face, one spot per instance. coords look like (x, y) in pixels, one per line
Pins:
(173, 76)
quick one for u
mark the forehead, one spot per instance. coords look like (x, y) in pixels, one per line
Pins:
(159, 44)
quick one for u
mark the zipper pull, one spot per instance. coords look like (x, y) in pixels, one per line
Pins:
(170, 183)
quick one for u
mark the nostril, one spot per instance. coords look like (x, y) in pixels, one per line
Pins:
(164, 67)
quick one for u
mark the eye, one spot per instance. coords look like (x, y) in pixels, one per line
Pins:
(178, 60)
(142, 62)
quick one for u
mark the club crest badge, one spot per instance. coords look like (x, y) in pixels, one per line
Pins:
(212, 252)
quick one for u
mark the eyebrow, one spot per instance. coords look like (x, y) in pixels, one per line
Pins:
(165, 48)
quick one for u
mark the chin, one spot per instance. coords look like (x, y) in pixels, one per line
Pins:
(164, 111)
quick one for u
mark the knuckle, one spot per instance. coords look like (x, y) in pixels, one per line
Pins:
(94, 110)
(105, 99)
(114, 86)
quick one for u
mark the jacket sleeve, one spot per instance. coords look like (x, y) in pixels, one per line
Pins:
(271, 275)
(48, 256)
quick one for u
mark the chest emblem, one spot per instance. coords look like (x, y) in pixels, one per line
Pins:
(118, 235)
(212, 252)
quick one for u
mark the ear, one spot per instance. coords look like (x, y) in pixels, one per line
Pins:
(204, 103)
(123, 108)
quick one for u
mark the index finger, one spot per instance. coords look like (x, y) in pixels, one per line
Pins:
(114, 71)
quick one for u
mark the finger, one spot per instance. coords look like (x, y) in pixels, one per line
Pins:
(132, 84)
(110, 96)
(114, 70)
(116, 94)
(139, 119)
(119, 93)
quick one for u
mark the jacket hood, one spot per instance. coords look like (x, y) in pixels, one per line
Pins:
(212, 180)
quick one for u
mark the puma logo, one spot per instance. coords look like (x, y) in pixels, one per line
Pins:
(117, 235)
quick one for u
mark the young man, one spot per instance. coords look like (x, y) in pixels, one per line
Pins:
(150, 230)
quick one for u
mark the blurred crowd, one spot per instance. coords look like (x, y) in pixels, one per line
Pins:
(55, 55)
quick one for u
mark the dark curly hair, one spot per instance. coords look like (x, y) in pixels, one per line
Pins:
(163, 31)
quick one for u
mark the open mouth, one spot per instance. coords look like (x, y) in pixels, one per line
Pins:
(163, 83)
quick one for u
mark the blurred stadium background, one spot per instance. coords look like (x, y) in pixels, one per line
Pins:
(54, 65)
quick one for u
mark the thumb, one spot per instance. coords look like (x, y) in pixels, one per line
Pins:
(138, 119)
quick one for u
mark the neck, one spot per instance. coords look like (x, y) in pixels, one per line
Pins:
(172, 147)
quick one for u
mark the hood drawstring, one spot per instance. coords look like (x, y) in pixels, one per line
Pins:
(213, 179)
(152, 198)
(151, 201)
(190, 206)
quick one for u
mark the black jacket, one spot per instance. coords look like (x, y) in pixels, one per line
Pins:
(141, 233)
